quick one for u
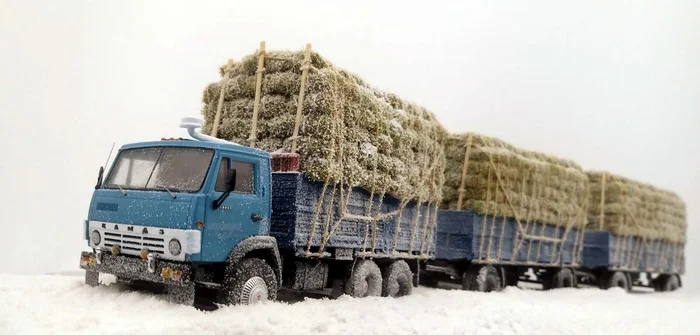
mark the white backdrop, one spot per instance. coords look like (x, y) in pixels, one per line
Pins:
(613, 86)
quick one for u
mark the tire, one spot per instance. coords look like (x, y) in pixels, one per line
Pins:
(365, 280)
(616, 279)
(561, 278)
(92, 278)
(397, 279)
(251, 281)
(481, 278)
(667, 283)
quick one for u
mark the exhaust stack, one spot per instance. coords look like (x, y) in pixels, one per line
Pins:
(191, 123)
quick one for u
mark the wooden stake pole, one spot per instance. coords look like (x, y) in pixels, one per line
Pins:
(304, 71)
(464, 172)
(258, 86)
(224, 82)
(602, 201)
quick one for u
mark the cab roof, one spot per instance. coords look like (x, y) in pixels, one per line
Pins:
(190, 143)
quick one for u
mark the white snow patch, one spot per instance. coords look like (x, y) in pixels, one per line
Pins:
(396, 124)
(63, 304)
(368, 149)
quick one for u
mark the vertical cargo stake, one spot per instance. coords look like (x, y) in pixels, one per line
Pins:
(464, 172)
(602, 201)
(258, 84)
(224, 81)
(304, 71)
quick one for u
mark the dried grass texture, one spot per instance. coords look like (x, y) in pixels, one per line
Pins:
(538, 187)
(388, 144)
(633, 208)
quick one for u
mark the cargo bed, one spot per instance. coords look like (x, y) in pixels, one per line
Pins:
(602, 249)
(468, 236)
(295, 203)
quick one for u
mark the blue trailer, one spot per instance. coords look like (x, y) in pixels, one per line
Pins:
(207, 215)
(486, 253)
(627, 261)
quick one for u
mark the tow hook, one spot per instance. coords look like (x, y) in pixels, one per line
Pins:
(151, 262)
(98, 255)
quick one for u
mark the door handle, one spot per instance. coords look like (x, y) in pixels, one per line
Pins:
(255, 217)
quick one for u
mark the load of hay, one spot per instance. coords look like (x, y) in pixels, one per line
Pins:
(349, 131)
(503, 180)
(631, 208)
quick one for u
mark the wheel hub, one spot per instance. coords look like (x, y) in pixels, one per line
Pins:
(254, 291)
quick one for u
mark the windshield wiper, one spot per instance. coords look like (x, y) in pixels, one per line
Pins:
(165, 188)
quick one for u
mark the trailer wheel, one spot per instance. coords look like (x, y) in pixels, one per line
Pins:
(251, 281)
(616, 279)
(92, 278)
(667, 283)
(365, 280)
(561, 278)
(481, 278)
(397, 279)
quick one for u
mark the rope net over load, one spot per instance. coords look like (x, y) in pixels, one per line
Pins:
(495, 179)
(387, 143)
(627, 207)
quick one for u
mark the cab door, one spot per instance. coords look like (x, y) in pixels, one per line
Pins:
(245, 211)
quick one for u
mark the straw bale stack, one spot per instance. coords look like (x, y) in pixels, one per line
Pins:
(386, 143)
(538, 187)
(631, 208)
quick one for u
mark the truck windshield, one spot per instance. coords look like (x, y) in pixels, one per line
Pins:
(157, 168)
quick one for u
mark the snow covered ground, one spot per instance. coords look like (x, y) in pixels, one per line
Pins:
(62, 304)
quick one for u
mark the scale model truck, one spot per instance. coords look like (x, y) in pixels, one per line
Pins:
(403, 203)
(208, 214)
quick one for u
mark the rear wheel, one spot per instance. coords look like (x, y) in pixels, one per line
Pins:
(615, 279)
(365, 280)
(481, 278)
(251, 281)
(560, 278)
(397, 279)
(667, 283)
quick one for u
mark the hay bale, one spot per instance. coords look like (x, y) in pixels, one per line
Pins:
(633, 208)
(388, 144)
(503, 180)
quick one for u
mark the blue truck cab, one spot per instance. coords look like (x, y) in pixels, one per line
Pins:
(180, 212)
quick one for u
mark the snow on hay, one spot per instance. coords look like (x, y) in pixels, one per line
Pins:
(62, 304)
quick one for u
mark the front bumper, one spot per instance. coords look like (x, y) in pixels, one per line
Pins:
(132, 268)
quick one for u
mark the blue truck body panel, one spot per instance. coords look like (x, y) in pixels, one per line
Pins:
(602, 249)
(294, 203)
(466, 235)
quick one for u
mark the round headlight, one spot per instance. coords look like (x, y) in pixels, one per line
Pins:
(95, 237)
(174, 247)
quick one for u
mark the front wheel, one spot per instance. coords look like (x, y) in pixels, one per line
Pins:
(251, 281)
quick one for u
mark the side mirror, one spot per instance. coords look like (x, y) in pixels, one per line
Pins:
(99, 177)
(231, 182)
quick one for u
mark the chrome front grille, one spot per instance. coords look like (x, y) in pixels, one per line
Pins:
(132, 244)
(131, 239)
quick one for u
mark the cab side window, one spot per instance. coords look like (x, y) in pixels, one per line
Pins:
(221, 177)
(244, 176)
